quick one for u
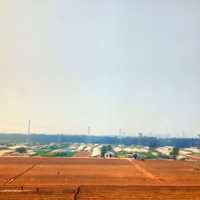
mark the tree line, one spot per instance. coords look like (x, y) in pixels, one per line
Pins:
(144, 141)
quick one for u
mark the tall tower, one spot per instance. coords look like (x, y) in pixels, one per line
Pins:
(28, 132)
(89, 130)
(140, 136)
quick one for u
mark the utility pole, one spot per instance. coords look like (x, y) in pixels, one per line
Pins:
(89, 130)
(140, 136)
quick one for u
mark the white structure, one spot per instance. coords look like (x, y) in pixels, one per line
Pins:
(166, 150)
(192, 149)
(136, 149)
(117, 149)
(109, 154)
(88, 148)
(81, 147)
(96, 152)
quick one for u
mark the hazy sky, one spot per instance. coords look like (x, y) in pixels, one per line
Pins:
(108, 64)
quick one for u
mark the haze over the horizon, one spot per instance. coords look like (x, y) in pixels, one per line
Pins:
(69, 64)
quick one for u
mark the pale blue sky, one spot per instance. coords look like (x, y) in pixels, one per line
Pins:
(108, 64)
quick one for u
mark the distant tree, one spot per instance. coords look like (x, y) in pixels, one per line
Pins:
(104, 149)
(140, 135)
(140, 138)
(109, 148)
(21, 150)
(153, 145)
(175, 152)
(198, 142)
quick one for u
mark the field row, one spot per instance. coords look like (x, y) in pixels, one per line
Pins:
(138, 193)
(92, 192)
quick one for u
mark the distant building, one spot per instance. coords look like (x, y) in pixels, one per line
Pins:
(166, 150)
(96, 152)
(109, 154)
(117, 149)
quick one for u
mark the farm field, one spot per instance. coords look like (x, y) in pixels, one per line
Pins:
(174, 172)
(87, 178)
(8, 171)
